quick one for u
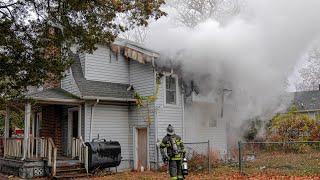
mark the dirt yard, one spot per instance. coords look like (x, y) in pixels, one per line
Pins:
(276, 165)
(217, 173)
(164, 176)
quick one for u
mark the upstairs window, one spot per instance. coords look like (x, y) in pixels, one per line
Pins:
(171, 90)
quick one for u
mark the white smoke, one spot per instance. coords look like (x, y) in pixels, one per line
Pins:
(252, 55)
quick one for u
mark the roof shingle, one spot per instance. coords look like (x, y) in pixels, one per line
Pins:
(307, 100)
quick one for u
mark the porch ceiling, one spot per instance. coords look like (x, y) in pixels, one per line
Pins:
(55, 96)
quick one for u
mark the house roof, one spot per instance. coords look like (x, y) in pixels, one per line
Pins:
(95, 89)
(134, 50)
(307, 100)
(136, 46)
(54, 94)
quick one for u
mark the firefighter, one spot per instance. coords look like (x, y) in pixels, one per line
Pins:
(174, 154)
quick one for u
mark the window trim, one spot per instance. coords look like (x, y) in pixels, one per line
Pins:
(165, 90)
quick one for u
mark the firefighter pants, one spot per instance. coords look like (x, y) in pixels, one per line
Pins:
(175, 169)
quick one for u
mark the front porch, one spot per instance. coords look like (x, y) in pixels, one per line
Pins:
(52, 141)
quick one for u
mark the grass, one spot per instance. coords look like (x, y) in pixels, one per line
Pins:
(265, 165)
(299, 164)
(221, 172)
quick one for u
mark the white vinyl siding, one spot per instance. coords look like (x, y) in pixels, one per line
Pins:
(111, 122)
(105, 66)
(142, 79)
(197, 126)
(168, 114)
(69, 84)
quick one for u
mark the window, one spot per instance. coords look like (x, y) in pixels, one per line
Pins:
(213, 121)
(171, 90)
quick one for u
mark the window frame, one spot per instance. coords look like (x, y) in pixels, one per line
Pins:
(165, 90)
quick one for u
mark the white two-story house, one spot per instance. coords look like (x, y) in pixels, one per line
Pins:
(116, 93)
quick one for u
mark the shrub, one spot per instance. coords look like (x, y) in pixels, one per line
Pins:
(215, 158)
(197, 161)
(293, 127)
(251, 128)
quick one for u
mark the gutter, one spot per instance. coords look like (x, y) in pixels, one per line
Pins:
(108, 99)
(58, 100)
(304, 111)
(91, 120)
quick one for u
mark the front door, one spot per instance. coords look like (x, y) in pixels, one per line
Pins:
(73, 127)
(142, 148)
(75, 124)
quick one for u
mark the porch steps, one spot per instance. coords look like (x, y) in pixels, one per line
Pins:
(71, 176)
(69, 169)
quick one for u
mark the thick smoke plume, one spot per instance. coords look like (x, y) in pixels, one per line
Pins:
(252, 55)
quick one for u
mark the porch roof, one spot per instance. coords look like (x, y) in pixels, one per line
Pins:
(54, 95)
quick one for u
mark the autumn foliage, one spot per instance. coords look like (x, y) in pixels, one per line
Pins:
(293, 127)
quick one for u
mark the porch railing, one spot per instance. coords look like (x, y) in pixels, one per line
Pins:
(38, 148)
(13, 147)
(80, 150)
(52, 156)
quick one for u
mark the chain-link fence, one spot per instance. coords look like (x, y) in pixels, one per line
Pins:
(282, 158)
(198, 155)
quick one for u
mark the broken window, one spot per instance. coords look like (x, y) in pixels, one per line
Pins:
(171, 90)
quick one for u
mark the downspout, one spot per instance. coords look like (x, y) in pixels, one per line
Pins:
(155, 111)
(91, 120)
(155, 117)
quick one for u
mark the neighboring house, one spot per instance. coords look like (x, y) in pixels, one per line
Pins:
(98, 98)
(307, 102)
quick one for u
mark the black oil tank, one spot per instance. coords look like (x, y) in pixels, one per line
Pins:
(103, 154)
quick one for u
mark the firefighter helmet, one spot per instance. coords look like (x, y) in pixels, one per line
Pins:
(170, 130)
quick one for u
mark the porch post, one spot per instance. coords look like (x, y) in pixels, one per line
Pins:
(79, 121)
(27, 117)
(33, 125)
(7, 122)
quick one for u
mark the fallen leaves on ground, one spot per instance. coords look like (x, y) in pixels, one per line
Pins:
(149, 175)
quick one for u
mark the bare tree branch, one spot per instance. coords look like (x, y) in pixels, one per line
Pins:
(311, 73)
(193, 12)
(7, 5)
